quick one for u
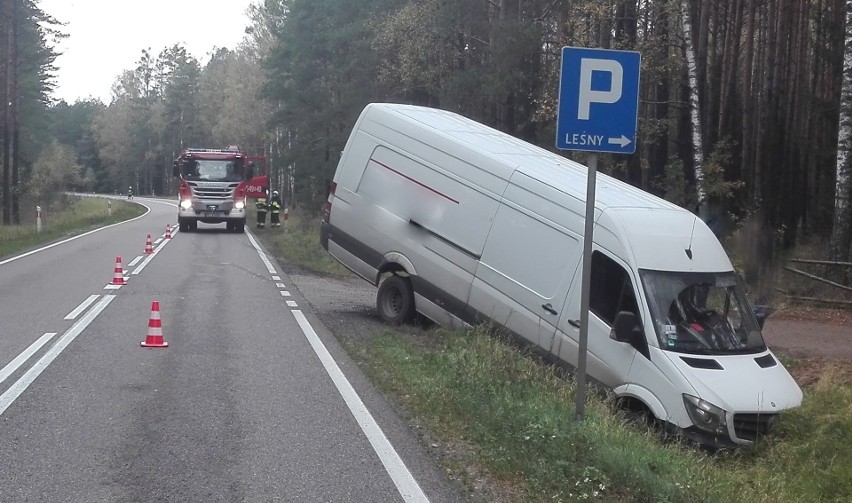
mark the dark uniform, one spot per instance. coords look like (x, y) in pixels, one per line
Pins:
(260, 204)
(275, 210)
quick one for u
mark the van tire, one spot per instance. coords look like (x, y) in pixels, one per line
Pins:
(395, 300)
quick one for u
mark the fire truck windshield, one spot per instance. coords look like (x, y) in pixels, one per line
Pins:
(210, 170)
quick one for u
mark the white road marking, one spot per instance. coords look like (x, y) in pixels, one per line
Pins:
(110, 286)
(285, 293)
(150, 257)
(14, 391)
(73, 238)
(276, 278)
(280, 285)
(135, 261)
(292, 303)
(263, 257)
(25, 355)
(402, 478)
(82, 307)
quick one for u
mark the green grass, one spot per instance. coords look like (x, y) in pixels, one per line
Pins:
(501, 415)
(517, 418)
(298, 243)
(74, 217)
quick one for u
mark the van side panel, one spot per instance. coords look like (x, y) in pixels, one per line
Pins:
(526, 268)
(447, 208)
(398, 196)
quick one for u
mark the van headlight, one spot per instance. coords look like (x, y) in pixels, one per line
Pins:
(186, 204)
(705, 415)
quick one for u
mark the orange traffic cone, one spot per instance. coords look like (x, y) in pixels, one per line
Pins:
(118, 275)
(168, 231)
(155, 329)
(149, 249)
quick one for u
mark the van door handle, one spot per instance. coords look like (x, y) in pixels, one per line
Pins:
(574, 323)
(547, 307)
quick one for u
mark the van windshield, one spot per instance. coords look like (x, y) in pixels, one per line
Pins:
(703, 313)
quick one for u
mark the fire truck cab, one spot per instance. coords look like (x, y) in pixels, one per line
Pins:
(215, 184)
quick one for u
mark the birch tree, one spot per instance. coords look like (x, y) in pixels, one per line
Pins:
(840, 238)
(694, 110)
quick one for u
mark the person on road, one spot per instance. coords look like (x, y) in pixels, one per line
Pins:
(275, 210)
(260, 204)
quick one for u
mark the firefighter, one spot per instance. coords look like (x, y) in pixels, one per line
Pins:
(275, 210)
(260, 204)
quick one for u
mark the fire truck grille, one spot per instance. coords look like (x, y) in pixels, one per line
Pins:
(222, 192)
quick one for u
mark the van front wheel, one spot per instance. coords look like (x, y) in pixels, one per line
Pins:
(395, 301)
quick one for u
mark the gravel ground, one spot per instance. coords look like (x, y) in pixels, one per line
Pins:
(346, 304)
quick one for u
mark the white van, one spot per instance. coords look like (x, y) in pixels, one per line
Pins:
(468, 224)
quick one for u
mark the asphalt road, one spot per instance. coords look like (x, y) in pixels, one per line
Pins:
(253, 399)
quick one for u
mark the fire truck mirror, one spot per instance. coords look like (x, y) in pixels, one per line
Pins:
(250, 170)
(175, 169)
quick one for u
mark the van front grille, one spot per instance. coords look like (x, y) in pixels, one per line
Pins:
(753, 426)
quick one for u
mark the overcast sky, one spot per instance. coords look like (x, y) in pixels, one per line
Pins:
(107, 37)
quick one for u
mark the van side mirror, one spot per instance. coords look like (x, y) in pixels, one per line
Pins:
(761, 312)
(626, 328)
(623, 327)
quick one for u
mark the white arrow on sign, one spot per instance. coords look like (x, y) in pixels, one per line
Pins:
(622, 142)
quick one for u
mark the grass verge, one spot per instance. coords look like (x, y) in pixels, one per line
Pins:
(502, 418)
(76, 215)
(297, 241)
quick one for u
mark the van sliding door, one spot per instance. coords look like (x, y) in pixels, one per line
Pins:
(520, 281)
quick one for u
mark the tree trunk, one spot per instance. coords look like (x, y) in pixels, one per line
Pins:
(694, 112)
(840, 236)
(14, 105)
(6, 21)
(729, 65)
(747, 138)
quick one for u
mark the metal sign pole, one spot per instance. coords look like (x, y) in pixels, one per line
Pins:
(598, 110)
(586, 285)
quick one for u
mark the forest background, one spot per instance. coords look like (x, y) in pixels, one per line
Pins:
(745, 116)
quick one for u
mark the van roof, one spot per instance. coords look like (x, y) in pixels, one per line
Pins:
(659, 231)
(514, 154)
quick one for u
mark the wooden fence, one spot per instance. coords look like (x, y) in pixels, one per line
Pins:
(814, 277)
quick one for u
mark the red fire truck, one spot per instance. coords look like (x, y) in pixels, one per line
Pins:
(215, 185)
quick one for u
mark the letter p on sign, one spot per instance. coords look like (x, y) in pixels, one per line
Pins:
(588, 95)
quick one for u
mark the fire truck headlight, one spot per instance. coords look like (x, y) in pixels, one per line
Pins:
(239, 205)
(186, 204)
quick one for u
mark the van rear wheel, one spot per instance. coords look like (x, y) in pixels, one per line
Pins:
(395, 300)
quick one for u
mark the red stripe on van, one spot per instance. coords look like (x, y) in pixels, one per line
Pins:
(414, 181)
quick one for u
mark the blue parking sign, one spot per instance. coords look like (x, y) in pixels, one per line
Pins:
(598, 100)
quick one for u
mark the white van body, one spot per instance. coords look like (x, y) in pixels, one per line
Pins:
(476, 225)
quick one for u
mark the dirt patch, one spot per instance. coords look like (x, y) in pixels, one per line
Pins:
(819, 339)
